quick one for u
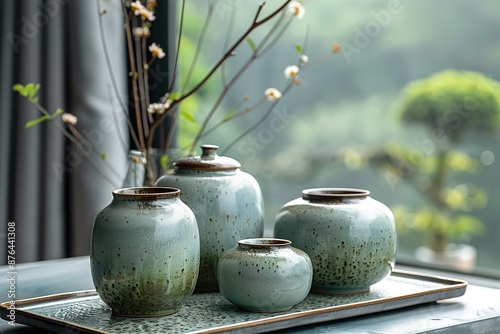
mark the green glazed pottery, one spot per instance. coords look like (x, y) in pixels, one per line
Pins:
(265, 275)
(350, 237)
(145, 252)
(226, 201)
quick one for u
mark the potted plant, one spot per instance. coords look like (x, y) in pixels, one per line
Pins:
(448, 105)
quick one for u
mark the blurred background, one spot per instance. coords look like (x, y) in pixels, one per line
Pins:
(344, 127)
(361, 117)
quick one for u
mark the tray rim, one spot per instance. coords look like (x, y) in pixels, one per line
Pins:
(449, 284)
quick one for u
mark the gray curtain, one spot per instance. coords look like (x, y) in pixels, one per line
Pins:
(47, 186)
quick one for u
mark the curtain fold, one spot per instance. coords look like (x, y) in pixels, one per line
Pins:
(6, 59)
(47, 186)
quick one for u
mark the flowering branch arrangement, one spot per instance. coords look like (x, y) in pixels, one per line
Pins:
(82, 144)
(139, 16)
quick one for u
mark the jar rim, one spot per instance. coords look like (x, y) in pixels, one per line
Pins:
(335, 192)
(148, 193)
(264, 242)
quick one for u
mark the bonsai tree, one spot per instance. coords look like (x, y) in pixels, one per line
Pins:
(449, 105)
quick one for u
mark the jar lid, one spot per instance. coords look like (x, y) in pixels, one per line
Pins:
(209, 161)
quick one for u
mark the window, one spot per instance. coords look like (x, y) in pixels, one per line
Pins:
(327, 131)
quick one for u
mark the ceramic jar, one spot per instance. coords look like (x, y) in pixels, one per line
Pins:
(145, 252)
(350, 237)
(265, 275)
(226, 201)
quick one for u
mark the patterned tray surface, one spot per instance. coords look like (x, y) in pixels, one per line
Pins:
(210, 312)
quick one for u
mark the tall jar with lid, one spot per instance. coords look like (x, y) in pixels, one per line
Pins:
(226, 201)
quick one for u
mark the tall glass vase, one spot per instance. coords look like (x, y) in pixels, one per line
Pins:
(143, 172)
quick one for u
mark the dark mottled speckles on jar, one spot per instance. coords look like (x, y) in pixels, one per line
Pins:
(350, 251)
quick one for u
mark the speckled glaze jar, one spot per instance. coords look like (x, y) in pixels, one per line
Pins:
(350, 237)
(265, 275)
(226, 201)
(145, 252)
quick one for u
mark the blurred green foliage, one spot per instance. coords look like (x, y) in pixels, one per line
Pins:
(346, 111)
(452, 102)
(449, 104)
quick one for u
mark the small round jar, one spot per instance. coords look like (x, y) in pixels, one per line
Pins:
(350, 237)
(145, 252)
(264, 275)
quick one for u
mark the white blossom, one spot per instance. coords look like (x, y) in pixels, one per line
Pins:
(296, 9)
(156, 51)
(138, 32)
(146, 14)
(136, 6)
(291, 71)
(272, 94)
(146, 32)
(157, 108)
(141, 32)
(304, 58)
(69, 118)
(166, 103)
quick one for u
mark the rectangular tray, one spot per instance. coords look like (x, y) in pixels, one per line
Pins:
(211, 313)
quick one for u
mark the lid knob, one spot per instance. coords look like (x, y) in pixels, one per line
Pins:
(207, 161)
(208, 152)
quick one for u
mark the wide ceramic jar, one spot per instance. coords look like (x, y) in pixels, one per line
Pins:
(226, 201)
(265, 275)
(145, 252)
(350, 237)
